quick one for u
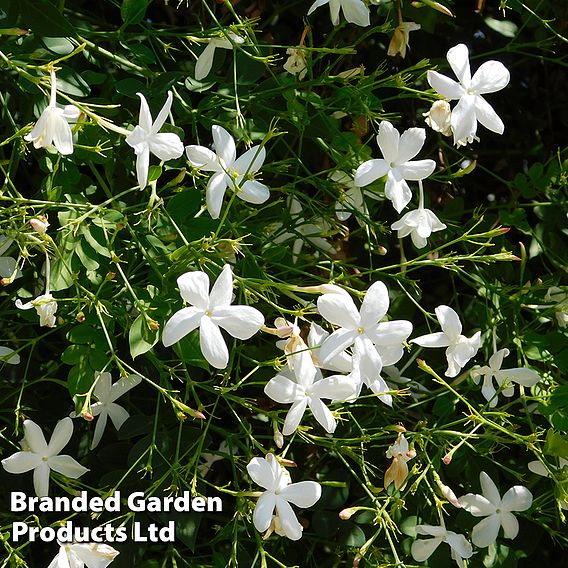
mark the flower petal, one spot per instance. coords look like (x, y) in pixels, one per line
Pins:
(60, 438)
(485, 532)
(438, 339)
(521, 376)
(290, 525)
(449, 321)
(251, 161)
(491, 76)
(103, 386)
(21, 462)
(339, 309)
(487, 116)
(375, 305)
(161, 118)
(205, 61)
(224, 145)
(67, 466)
(144, 117)
(302, 494)
(202, 158)
(123, 385)
(458, 58)
(335, 344)
(41, 479)
(477, 505)
(166, 146)
(463, 120)
(489, 489)
(411, 142)
(366, 359)
(370, 171)
(261, 473)
(34, 437)
(262, 516)
(518, 498)
(397, 190)
(62, 135)
(335, 387)
(417, 170)
(222, 290)
(424, 548)
(118, 415)
(294, 416)
(252, 191)
(356, 12)
(445, 86)
(184, 321)
(194, 288)
(94, 555)
(216, 188)
(241, 322)
(459, 544)
(510, 525)
(282, 390)
(142, 166)
(212, 344)
(322, 414)
(99, 428)
(388, 140)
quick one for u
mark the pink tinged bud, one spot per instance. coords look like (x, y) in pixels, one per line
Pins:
(449, 495)
(87, 416)
(278, 439)
(39, 225)
(198, 414)
(346, 514)
(447, 459)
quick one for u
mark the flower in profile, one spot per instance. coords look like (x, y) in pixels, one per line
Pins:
(560, 297)
(491, 76)
(45, 307)
(422, 549)
(280, 492)
(538, 468)
(8, 355)
(460, 349)
(77, 555)
(210, 311)
(302, 390)
(146, 138)
(400, 454)
(296, 62)
(398, 151)
(229, 171)
(355, 11)
(8, 265)
(43, 457)
(497, 512)
(52, 128)
(400, 40)
(502, 377)
(419, 224)
(106, 394)
(438, 118)
(205, 60)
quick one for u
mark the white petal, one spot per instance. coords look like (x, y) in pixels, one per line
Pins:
(449, 321)
(459, 544)
(492, 76)
(335, 387)
(477, 505)
(445, 86)
(417, 170)
(438, 339)
(251, 161)
(262, 516)
(123, 385)
(142, 166)
(538, 468)
(194, 288)
(34, 437)
(463, 120)
(118, 415)
(184, 321)
(316, 5)
(144, 117)
(397, 190)
(489, 489)
(370, 171)
(388, 140)
(485, 532)
(282, 390)
(21, 462)
(99, 429)
(212, 344)
(375, 304)
(67, 466)
(205, 61)
(304, 367)
(202, 158)
(518, 498)
(458, 58)
(166, 146)
(335, 344)
(521, 376)
(294, 416)
(390, 333)
(60, 438)
(241, 322)
(510, 525)
(222, 291)
(103, 386)
(224, 145)
(322, 414)
(424, 548)
(487, 116)
(339, 309)
(261, 473)
(62, 136)
(356, 12)
(94, 555)
(432, 530)
(366, 359)
(41, 479)
(303, 494)
(253, 191)
(496, 360)
(411, 142)
(216, 188)
(161, 118)
(290, 525)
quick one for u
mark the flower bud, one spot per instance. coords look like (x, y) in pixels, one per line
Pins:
(346, 514)
(39, 225)
(438, 117)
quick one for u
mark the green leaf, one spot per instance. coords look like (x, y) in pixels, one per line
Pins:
(44, 19)
(556, 445)
(140, 338)
(133, 11)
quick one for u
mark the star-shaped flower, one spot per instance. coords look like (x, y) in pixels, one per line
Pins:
(43, 457)
(77, 555)
(355, 11)
(229, 171)
(280, 492)
(492, 76)
(422, 549)
(460, 349)
(398, 151)
(519, 375)
(498, 512)
(146, 138)
(210, 311)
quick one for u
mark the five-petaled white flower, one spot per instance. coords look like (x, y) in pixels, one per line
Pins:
(398, 151)
(538, 468)
(460, 349)
(492, 76)
(375, 343)
(400, 454)
(42, 457)
(498, 512)
(280, 492)
(210, 311)
(106, 394)
(419, 224)
(355, 11)
(304, 389)
(503, 377)
(422, 549)
(205, 60)
(45, 307)
(146, 138)
(229, 171)
(52, 127)
(77, 555)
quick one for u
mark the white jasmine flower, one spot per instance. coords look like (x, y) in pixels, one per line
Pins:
(400, 454)
(229, 171)
(303, 390)
(205, 60)
(280, 492)
(8, 355)
(351, 198)
(538, 468)
(438, 118)
(355, 11)
(491, 76)
(460, 349)
(296, 63)
(43, 457)
(303, 232)
(210, 311)
(398, 151)
(503, 377)
(52, 128)
(8, 265)
(400, 40)
(375, 343)
(106, 394)
(419, 224)
(76, 555)
(146, 139)
(560, 297)
(498, 512)
(45, 307)
(422, 549)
